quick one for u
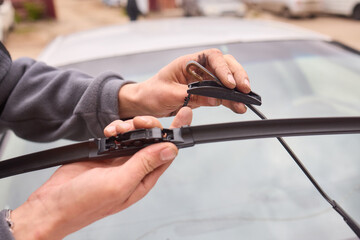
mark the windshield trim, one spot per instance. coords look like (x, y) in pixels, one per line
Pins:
(346, 47)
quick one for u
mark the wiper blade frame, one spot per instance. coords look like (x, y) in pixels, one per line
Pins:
(129, 143)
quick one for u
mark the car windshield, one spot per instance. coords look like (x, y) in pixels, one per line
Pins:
(243, 189)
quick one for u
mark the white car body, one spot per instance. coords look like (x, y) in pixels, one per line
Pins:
(163, 35)
(7, 18)
(221, 8)
(214, 8)
(343, 7)
(115, 3)
(290, 8)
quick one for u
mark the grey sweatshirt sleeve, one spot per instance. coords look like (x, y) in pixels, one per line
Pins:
(5, 233)
(42, 103)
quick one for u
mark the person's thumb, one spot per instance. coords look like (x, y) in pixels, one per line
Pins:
(147, 160)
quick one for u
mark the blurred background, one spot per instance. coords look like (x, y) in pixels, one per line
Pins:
(29, 25)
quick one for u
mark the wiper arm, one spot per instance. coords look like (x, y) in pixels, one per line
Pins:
(129, 143)
(349, 220)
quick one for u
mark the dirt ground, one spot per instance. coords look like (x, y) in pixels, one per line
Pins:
(29, 39)
(343, 29)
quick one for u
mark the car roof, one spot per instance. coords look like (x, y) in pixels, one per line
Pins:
(163, 34)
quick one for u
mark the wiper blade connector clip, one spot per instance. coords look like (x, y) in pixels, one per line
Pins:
(130, 142)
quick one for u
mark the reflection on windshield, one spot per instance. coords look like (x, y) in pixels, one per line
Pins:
(245, 189)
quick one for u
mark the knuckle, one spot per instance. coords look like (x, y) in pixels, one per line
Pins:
(215, 51)
(230, 57)
(118, 122)
(221, 67)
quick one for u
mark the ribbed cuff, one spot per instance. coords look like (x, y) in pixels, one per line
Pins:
(108, 110)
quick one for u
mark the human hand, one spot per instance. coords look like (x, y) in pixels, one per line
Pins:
(164, 94)
(78, 194)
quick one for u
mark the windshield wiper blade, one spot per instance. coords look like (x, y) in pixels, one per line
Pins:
(129, 143)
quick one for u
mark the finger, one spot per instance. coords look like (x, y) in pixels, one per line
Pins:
(198, 101)
(110, 130)
(217, 62)
(126, 126)
(118, 126)
(132, 172)
(146, 122)
(180, 93)
(69, 171)
(236, 107)
(241, 77)
(182, 118)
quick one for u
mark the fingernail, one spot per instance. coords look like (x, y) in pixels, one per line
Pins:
(168, 154)
(214, 101)
(111, 130)
(240, 107)
(247, 83)
(231, 79)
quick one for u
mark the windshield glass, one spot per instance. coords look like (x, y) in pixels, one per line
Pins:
(242, 189)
